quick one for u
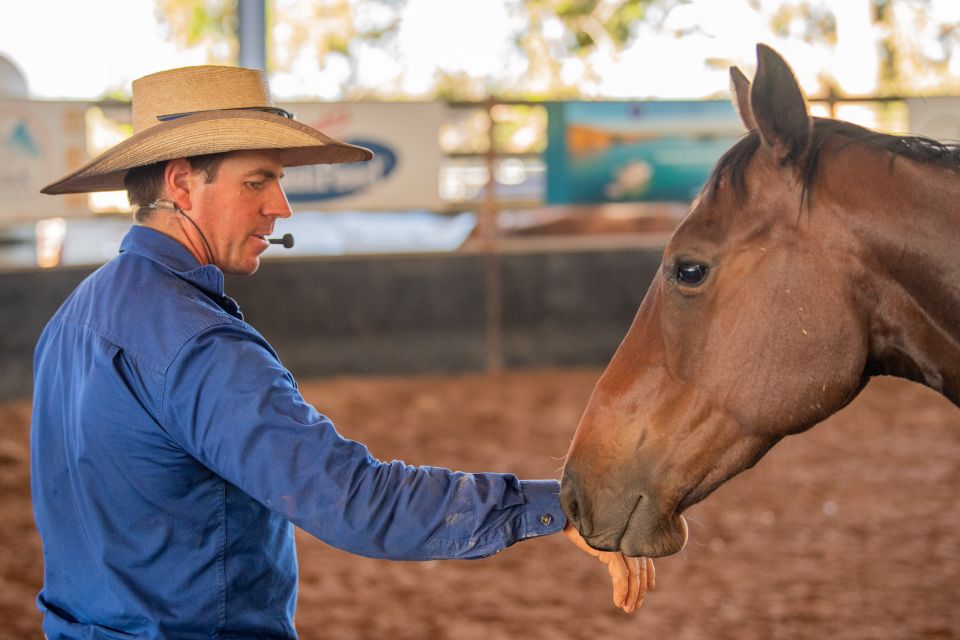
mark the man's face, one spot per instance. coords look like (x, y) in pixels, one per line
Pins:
(237, 211)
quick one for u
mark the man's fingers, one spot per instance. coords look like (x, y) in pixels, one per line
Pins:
(644, 581)
(620, 577)
(630, 577)
(637, 569)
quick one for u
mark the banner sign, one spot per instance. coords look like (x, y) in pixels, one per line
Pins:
(935, 117)
(39, 143)
(635, 151)
(405, 170)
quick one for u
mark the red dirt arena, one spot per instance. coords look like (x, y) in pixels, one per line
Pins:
(851, 530)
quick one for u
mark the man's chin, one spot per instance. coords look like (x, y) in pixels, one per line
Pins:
(247, 269)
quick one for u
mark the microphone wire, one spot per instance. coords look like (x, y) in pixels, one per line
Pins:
(169, 205)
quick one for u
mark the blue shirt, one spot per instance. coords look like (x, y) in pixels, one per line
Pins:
(171, 451)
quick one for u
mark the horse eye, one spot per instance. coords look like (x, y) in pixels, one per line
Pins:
(691, 273)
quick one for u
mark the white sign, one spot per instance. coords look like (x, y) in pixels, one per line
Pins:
(937, 118)
(405, 170)
(39, 142)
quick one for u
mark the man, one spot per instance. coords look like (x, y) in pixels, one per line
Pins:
(171, 451)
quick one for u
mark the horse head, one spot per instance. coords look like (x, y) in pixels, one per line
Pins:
(758, 324)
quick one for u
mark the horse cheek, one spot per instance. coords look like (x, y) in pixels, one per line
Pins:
(816, 367)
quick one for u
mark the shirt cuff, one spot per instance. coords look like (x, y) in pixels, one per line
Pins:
(542, 512)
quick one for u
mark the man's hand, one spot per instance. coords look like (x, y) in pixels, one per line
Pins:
(631, 576)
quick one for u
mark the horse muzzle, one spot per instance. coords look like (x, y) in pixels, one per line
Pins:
(630, 521)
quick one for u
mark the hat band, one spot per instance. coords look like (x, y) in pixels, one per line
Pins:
(277, 111)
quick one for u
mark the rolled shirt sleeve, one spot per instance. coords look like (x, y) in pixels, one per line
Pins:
(230, 403)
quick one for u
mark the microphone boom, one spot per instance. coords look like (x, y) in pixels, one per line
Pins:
(286, 240)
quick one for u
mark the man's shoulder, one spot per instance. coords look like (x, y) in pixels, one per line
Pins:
(145, 309)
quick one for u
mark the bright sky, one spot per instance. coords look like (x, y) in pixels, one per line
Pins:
(80, 49)
(70, 49)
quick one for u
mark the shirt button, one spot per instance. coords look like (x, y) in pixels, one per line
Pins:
(546, 519)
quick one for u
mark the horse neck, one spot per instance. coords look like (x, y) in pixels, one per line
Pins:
(908, 225)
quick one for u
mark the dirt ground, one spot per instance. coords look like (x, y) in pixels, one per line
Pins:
(851, 530)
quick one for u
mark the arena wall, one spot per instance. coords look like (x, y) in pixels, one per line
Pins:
(405, 315)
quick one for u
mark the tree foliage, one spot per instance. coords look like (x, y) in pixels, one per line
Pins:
(575, 34)
(211, 24)
(553, 33)
(564, 43)
(918, 55)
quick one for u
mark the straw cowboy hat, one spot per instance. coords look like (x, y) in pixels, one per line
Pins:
(199, 110)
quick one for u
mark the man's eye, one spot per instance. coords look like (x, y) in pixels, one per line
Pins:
(256, 186)
(691, 273)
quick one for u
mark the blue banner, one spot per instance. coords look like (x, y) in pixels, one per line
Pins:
(635, 151)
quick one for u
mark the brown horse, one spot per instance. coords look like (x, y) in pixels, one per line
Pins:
(818, 254)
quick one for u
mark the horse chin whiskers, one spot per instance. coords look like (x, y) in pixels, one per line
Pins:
(668, 538)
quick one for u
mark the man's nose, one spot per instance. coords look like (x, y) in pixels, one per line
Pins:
(277, 204)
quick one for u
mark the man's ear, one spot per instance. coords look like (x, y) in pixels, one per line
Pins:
(176, 182)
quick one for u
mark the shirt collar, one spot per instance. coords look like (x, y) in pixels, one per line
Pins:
(167, 251)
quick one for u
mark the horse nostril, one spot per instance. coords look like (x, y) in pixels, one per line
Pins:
(575, 503)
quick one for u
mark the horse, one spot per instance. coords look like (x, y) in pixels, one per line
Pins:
(817, 255)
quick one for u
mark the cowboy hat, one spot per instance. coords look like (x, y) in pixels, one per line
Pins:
(199, 110)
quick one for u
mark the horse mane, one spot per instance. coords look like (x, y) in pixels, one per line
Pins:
(733, 163)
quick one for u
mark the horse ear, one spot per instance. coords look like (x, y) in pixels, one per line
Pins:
(778, 107)
(740, 93)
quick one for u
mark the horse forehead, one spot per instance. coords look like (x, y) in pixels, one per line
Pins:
(769, 197)
(718, 224)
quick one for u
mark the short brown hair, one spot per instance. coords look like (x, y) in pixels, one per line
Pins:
(145, 184)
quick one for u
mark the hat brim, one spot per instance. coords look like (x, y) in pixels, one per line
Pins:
(209, 132)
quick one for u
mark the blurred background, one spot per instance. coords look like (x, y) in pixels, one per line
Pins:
(510, 135)
(533, 157)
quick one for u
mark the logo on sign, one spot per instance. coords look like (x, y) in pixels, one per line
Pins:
(331, 181)
(22, 154)
(19, 139)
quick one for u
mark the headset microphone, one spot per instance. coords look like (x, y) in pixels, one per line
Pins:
(286, 240)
